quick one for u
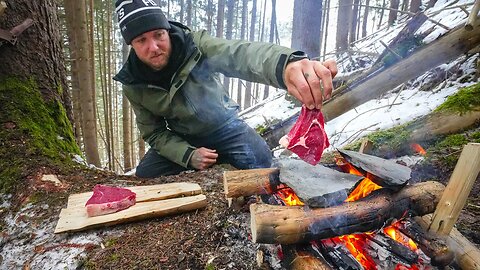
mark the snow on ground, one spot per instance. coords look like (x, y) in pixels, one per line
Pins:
(28, 242)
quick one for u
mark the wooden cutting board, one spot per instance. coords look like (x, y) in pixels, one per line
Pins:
(152, 201)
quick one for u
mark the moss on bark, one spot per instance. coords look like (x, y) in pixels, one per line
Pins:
(33, 132)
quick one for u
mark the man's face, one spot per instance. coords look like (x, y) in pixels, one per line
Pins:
(153, 48)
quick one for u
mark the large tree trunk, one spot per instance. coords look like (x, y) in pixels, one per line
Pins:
(295, 224)
(344, 21)
(39, 46)
(34, 96)
(392, 15)
(78, 20)
(307, 20)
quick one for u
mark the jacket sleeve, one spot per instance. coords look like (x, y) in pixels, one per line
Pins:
(252, 61)
(154, 131)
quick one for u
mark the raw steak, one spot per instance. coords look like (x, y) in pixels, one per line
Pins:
(106, 200)
(307, 138)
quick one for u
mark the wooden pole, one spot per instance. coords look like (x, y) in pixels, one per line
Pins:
(289, 225)
(249, 182)
(457, 190)
(366, 147)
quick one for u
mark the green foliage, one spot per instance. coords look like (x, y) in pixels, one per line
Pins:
(210, 267)
(465, 100)
(395, 137)
(32, 129)
(447, 151)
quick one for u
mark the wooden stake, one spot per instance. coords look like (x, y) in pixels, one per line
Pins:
(457, 190)
(366, 146)
(248, 182)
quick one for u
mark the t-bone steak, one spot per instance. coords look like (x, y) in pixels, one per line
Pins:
(107, 199)
(307, 138)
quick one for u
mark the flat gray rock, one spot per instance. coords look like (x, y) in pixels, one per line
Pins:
(386, 173)
(316, 186)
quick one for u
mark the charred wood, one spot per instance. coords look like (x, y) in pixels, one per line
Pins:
(400, 251)
(288, 225)
(338, 255)
(432, 246)
(301, 257)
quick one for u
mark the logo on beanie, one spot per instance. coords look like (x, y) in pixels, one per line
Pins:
(139, 16)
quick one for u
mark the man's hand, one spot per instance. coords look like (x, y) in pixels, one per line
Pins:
(203, 158)
(310, 81)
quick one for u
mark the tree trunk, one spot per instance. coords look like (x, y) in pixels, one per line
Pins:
(80, 35)
(294, 224)
(365, 19)
(220, 17)
(392, 15)
(34, 96)
(210, 10)
(344, 21)
(307, 19)
(126, 123)
(355, 17)
(248, 86)
(415, 6)
(325, 27)
(189, 13)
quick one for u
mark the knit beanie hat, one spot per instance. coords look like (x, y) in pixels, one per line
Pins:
(136, 17)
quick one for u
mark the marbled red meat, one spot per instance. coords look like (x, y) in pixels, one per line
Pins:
(107, 199)
(307, 138)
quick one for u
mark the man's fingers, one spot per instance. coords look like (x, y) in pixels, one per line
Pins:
(331, 65)
(315, 88)
(325, 76)
(299, 87)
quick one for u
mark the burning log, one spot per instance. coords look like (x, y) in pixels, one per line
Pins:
(399, 250)
(338, 255)
(433, 247)
(303, 257)
(288, 225)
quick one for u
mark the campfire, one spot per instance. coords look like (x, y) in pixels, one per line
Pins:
(369, 222)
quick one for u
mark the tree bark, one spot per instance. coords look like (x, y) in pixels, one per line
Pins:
(306, 29)
(126, 123)
(344, 16)
(392, 15)
(80, 35)
(289, 225)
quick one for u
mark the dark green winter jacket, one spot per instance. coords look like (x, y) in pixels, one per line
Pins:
(196, 102)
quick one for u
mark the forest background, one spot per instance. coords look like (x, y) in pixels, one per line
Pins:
(93, 50)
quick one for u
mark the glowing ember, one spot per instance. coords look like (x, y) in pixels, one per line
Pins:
(362, 190)
(288, 196)
(418, 149)
(400, 237)
(355, 244)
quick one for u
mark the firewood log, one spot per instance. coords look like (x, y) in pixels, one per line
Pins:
(293, 224)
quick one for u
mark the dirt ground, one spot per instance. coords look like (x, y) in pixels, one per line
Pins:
(216, 237)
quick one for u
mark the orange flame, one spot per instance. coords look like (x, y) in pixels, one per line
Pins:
(362, 190)
(288, 196)
(418, 149)
(396, 235)
(355, 244)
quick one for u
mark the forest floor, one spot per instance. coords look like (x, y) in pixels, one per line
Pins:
(216, 237)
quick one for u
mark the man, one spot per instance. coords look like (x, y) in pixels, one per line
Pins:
(182, 110)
